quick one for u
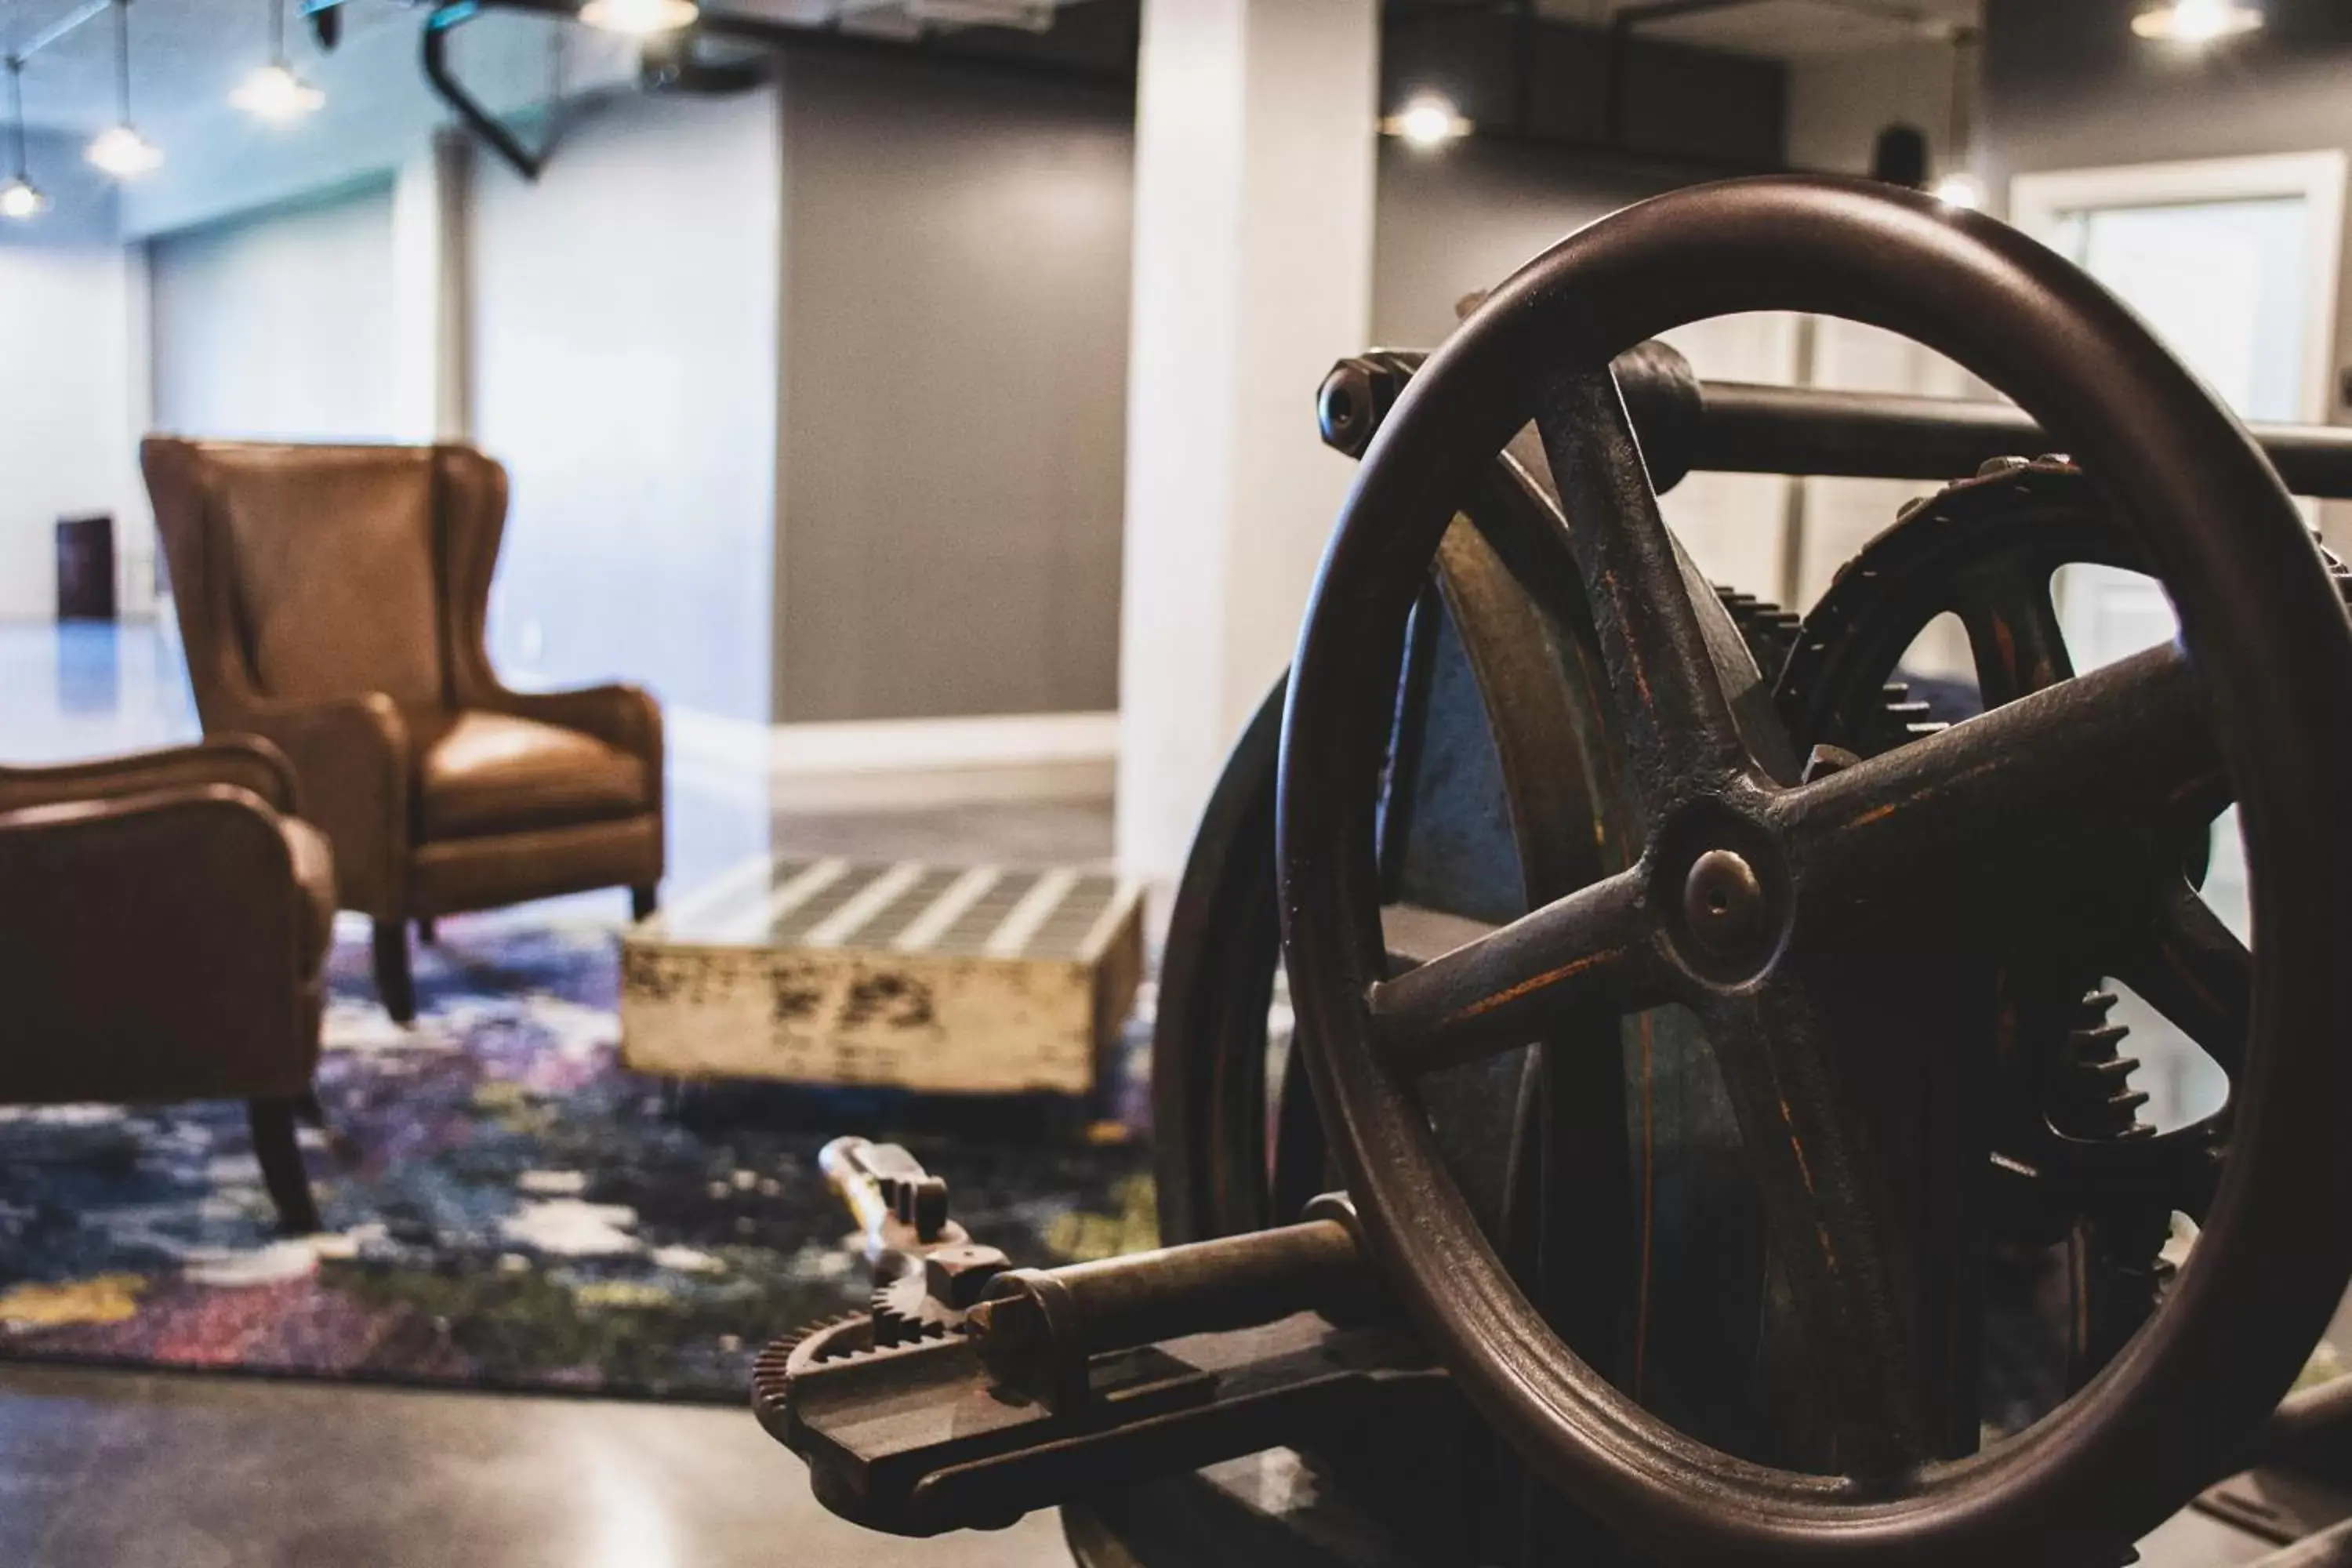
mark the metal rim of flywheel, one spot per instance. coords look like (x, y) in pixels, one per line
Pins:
(2265, 634)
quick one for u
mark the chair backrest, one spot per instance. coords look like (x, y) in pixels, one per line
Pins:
(326, 564)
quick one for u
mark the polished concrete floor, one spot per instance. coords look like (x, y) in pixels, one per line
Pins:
(102, 1470)
(115, 1469)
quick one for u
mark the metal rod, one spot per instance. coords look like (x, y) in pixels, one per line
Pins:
(123, 61)
(1038, 1327)
(1863, 435)
(435, 52)
(58, 30)
(16, 110)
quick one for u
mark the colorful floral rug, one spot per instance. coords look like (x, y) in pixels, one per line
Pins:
(507, 1207)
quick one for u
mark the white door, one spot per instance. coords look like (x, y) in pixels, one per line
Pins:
(2233, 263)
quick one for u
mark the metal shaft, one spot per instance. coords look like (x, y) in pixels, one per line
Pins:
(1038, 1327)
(1689, 426)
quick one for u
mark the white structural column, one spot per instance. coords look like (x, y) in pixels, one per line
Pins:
(431, 208)
(1255, 152)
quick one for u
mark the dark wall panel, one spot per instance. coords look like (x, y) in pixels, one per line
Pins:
(956, 282)
(1463, 218)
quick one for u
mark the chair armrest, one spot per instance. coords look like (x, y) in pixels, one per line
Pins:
(352, 758)
(247, 762)
(623, 717)
(197, 886)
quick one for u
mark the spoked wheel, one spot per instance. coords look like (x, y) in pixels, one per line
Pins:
(1490, 804)
(1761, 903)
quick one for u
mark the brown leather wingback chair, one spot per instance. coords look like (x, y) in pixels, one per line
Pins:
(162, 939)
(332, 599)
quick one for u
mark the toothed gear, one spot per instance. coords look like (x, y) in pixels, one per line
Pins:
(1984, 548)
(1769, 630)
(2091, 1094)
(827, 1339)
(905, 1313)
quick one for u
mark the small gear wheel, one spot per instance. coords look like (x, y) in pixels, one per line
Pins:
(1769, 630)
(827, 1339)
(905, 1312)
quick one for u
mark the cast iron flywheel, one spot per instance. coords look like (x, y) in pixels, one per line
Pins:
(1754, 895)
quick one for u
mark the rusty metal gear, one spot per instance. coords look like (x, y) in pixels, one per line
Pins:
(1985, 548)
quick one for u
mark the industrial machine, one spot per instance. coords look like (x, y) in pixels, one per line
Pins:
(1705, 1133)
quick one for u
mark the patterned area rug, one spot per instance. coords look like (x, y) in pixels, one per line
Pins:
(507, 1207)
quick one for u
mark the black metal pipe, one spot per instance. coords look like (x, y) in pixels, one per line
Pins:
(1687, 425)
(1743, 428)
(1038, 1327)
(434, 51)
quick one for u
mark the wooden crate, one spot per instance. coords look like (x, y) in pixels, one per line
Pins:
(972, 980)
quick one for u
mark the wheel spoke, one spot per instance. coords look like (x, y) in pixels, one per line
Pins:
(1594, 950)
(2195, 971)
(1678, 725)
(1828, 1212)
(2013, 630)
(2011, 798)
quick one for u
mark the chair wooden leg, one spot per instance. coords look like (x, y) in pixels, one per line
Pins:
(281, 1166)
(393, 984)
(644, 901)
(425, 932)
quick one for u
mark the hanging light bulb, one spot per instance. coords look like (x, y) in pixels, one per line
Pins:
(640, 17)
(2196, 23)
(19, 198)
(119, 150)
(273, 92)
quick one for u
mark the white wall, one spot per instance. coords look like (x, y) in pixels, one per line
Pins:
(72, 391)
(625, 370)
(279, 326)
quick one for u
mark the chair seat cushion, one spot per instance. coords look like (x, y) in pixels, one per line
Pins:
(490, 772)
(314, 882)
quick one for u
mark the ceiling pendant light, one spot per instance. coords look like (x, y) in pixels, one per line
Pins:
(119, 150)
(19, 198)
(2196, 23)
(640, 17)
(273, 92)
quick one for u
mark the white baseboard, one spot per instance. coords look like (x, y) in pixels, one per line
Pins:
(896, 764)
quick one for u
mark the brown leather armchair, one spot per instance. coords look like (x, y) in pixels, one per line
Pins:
(333, 599)
(162, 939)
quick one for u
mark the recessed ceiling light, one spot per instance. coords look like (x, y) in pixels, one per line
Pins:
(1958, 190)
(2196, 23)
(1426, 121)
(640, 17)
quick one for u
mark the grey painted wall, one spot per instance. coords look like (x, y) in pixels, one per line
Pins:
(1464, 217)
(954, 392)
